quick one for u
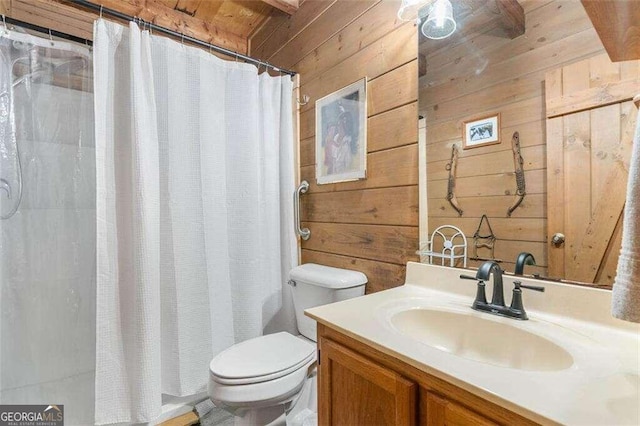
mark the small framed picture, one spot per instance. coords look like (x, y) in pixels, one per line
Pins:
(481, 131)
(341, 134)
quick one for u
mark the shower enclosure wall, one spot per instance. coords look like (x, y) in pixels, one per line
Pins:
(47, 206)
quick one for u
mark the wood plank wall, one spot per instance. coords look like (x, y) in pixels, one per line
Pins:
(487, 74)
(369, 225)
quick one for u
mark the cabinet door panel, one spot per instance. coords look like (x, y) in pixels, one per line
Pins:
(441, 411)
(356, 391)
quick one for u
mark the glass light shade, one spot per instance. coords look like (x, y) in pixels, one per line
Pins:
(440, 23)
(409, 9)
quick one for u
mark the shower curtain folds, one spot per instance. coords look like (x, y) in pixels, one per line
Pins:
(195, 171)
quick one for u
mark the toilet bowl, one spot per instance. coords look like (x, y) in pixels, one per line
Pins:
(262, 379)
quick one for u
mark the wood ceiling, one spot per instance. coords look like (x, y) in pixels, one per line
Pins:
(226, 23)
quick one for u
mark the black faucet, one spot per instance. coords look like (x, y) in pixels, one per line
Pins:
(524, 258)
(497, 306)
(483, 275)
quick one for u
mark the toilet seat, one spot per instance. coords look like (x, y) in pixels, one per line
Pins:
(261, 359)
(263, 370)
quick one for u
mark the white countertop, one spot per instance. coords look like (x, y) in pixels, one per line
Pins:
(600, 388)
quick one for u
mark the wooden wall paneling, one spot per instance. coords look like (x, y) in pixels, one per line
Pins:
(380, 275)
(545, 26)
(517, 114)
(491, 163)
(523, 74)
(371, 224)
(392, 244)
(317, 32)
(388, 53)
(384, 132)
(308, 123)
(510, 80)
(533, 206)
(531, 134)
(390, 168)
(372, 25)
(385, 206)
(262, 33)
(266, 45)
(308, 152)
(5, 7)
(488, 185)
(517, 229)
(397, 87)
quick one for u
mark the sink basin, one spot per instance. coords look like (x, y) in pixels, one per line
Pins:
(475, 338)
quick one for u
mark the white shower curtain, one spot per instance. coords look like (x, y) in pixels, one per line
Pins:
(195, 176)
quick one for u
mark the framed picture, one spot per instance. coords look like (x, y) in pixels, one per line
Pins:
(341, 134)
(481, 131)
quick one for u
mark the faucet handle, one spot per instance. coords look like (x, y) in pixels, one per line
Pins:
(481, 298)
(518, 285)
(468, 277)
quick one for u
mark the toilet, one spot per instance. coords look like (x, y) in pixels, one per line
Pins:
(262, 379)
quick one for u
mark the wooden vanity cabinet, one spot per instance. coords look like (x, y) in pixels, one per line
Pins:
(359, 385)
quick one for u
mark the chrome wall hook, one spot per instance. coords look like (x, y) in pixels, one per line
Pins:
(305, 100)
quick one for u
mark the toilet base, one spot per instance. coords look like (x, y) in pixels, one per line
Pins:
(268, 416)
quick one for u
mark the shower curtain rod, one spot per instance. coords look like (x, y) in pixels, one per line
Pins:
(119, 15)
(11, 21)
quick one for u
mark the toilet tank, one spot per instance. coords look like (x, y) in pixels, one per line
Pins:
(314, 285)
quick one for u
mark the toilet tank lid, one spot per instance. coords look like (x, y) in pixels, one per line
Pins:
(327, 276)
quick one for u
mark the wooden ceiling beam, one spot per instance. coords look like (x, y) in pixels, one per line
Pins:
(511, 17)
(617, 25)
(287, 6)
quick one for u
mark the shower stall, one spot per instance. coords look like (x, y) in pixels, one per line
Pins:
(131, 248)
(47, 226)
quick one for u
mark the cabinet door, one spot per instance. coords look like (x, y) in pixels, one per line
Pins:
(440, 411)
(356, 391)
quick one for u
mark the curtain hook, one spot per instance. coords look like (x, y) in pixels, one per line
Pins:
(101, 6)
(50, 37)
(4, 25)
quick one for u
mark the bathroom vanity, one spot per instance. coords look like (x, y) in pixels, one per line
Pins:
(418, 354)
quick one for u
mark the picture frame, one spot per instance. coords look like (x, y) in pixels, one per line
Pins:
(341, 134)
(481, 131)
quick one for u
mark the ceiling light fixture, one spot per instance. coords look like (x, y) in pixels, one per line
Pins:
(439, 23)
(409, 9)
